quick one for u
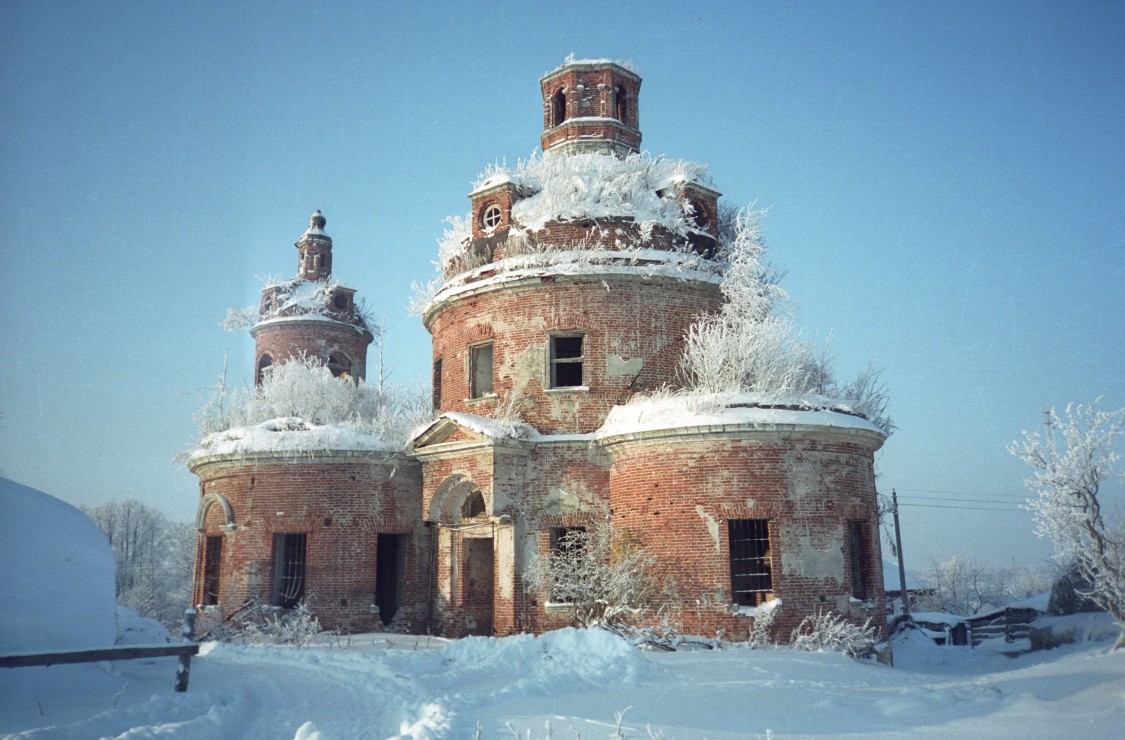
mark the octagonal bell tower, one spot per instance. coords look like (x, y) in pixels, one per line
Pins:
(591, 106)
(312, 315)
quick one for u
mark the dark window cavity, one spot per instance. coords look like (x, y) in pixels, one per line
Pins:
(436, 392)
(857, 558)
(566, 360)
(212, 561)
(288, 588)
(751, 580)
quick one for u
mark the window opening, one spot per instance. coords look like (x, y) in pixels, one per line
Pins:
(558, 108)
(480, 370)
(566, 361)
(751, 581)
(857, 538)
(339, 365)
(212, 560)
(340, 301)
(436, 391)
(567, 543)
(473, 506)
(491, 217)
(620, 106)
(288, 569)
(263, 362)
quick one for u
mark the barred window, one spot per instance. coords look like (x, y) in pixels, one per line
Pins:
(212, 561)
(436, 393)
(288, 569)
(751, 579)
(857, 558)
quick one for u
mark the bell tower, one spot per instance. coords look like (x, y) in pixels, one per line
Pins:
(590, 105)
(315, 248)
(312, 315)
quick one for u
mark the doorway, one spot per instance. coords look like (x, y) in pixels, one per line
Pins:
(477, 552)
(390, 574)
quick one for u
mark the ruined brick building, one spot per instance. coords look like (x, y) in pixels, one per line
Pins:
(572, 311)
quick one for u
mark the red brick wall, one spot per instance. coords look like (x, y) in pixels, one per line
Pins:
(341, 506)
(676, 494)
(624, 319)
(289, 338)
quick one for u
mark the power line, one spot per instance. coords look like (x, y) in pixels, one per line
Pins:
(960, 493)
(963, 500)
(966, 508)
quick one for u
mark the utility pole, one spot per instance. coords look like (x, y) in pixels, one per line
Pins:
(901, 565)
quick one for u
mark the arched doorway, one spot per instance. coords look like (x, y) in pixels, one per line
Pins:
(465, 555)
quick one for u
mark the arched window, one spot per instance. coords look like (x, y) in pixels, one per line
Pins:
(473, 506)
(263, 362)
(340, 365)
(558, 108)
(620, 105)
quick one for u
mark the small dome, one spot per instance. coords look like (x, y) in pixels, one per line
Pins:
(316, 224)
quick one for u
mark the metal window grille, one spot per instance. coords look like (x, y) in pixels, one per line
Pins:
(288, 569)
(212, 560)
(566, 361)
(751, 573)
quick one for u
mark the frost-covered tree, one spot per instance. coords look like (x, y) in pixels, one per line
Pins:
(1071, 458)
(154, 558)
(964, 587)
(602, 578)
(752, 345)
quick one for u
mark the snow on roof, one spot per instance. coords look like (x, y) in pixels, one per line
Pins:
(571, 61)
(688, 410)
(646, 263)
(571, 187)
(290, 435)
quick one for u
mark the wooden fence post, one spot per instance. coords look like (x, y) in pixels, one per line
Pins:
(184, 669)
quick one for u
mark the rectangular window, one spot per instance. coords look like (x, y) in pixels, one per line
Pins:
(751, 580)
(436, 392)
(566, 360)
(288, 569)
(480, 370)
(212, 560)
(857, 558)
(568, 544)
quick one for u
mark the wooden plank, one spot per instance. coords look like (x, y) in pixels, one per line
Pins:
(124, 652)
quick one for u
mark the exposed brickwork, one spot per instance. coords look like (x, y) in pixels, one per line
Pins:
(471, 508)
(342, 505)
(676, 494)
(632, 341)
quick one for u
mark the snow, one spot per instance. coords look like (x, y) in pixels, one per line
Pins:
(400, 686)
(685, 410)
(290, 434)
(891, 580)
(567, 683)
(58, 590)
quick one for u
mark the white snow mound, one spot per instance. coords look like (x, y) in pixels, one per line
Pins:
(59, 587)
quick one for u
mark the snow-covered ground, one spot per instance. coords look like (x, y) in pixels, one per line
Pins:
(565, 684)
(570, 684)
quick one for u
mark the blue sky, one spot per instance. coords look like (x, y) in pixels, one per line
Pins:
(944, 186)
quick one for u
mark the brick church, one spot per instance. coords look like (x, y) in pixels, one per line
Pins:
(573, 311)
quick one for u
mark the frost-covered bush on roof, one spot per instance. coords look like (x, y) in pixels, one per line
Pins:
(300, 405)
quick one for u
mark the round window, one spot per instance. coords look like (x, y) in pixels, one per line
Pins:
(490, 217)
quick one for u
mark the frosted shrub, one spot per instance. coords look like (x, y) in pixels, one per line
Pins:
(600, 580)
(295, 627)
(303, 391)
(829, 631)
